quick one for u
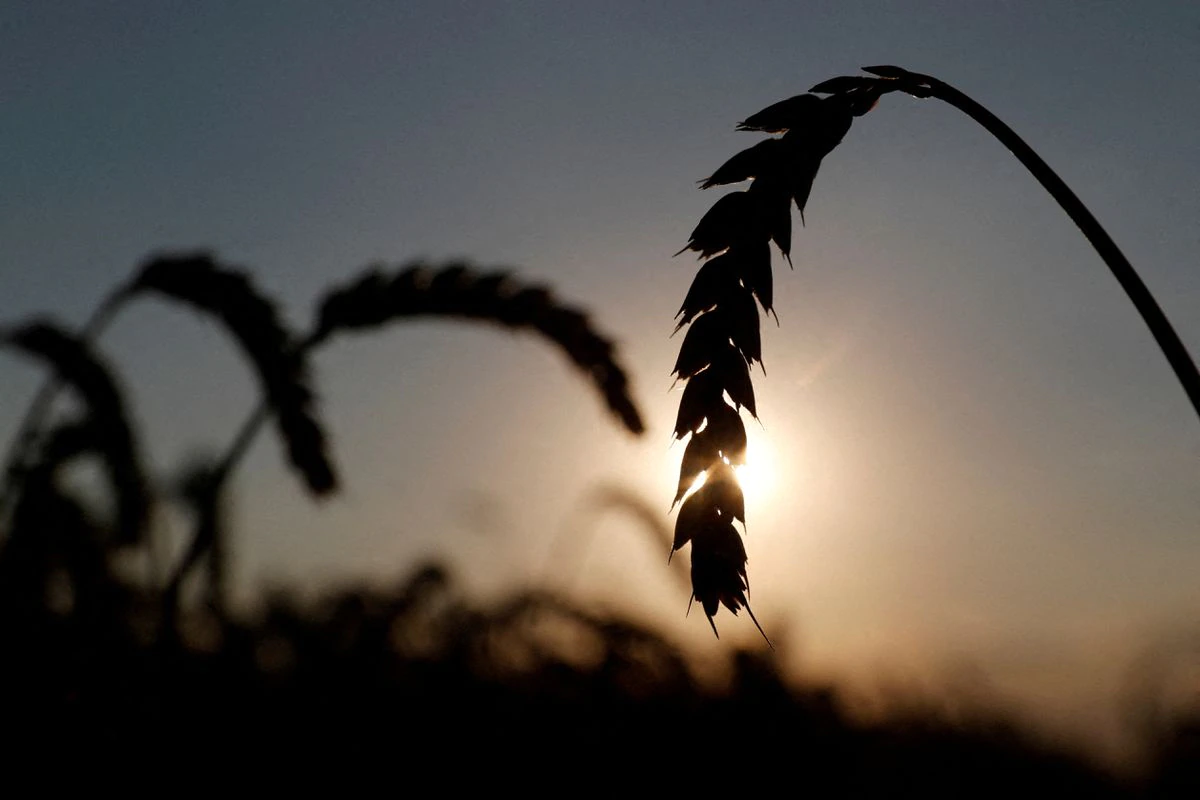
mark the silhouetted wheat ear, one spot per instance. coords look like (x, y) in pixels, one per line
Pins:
(456, 290)
(106, 430)
(723, 339)
(281, 363)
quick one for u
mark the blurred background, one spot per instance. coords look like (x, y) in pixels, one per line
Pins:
(974, 471)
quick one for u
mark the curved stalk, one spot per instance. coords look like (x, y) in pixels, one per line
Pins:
(1168, 340)
(238, 447)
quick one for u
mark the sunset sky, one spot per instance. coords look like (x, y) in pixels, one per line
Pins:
(977, 453)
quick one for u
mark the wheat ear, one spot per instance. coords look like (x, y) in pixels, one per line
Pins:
(723, 339)
(456, 290)
(107, 430)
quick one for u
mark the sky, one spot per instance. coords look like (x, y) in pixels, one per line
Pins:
(975, 458)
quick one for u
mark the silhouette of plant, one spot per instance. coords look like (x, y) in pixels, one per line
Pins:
(43, 509)
(420, 666)
(723, 340)
(456, 291)
(107, 429)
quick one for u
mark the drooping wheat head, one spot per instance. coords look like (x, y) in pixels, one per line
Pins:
(723, 339)
(456, 290)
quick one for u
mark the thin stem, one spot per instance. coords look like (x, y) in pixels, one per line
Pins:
(1168, 341)
(242, 441)
(229, 461)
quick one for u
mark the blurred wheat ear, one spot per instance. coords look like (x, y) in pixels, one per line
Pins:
(230, 296)
(724, 339)
(106, 430)
(456, 290)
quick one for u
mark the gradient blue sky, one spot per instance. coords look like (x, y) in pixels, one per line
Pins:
(980, 454)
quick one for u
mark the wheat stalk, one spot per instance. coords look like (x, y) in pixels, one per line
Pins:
(723, 338)
(891, 78)
(200, 486)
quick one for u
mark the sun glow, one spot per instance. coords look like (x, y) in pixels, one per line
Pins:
(759, 475)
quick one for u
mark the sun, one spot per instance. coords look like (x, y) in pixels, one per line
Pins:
(759, 475)
(757, 478)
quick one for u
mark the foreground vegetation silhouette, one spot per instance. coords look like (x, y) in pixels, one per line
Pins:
(531, 691)
(723, 340)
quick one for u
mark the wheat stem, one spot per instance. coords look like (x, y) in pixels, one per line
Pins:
(1164, 334)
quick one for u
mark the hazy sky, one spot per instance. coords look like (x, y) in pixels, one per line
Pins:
(978, 450)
